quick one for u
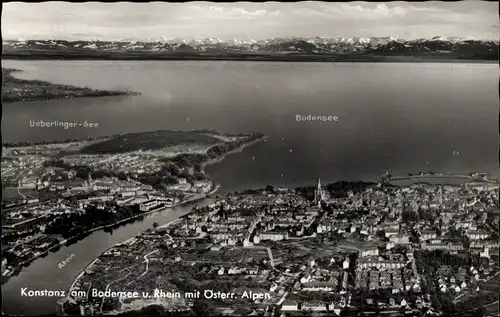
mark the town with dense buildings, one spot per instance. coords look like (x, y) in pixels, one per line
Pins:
(347, 248)
(343, 249)
(55, 194)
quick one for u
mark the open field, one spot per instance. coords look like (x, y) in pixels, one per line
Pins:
(481, 301)
(149, 141)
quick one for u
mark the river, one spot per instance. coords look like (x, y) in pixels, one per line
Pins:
(44, 273)
(407, 117)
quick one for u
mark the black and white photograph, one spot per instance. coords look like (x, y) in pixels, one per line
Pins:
(274, 159)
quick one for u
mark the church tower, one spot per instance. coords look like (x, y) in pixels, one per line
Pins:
(440, 192)
(319, 194)
(89, 181)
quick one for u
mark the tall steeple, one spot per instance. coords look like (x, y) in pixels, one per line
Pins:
(319, 195)
(89, 180)
(440, 194)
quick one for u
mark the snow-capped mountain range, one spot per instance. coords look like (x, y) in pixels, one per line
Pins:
(456, 46)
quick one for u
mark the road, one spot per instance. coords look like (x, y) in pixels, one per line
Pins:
(109, 159)
(204, 262)
(169, 237)
(19, 191)
(299, 245)
(88, 290)
(19, 182)
(23, 222)
(299, 239)
(488, 225)
(252, 226)
(115, 280)
(8, 172)
(25, 206)
(282, 299)
(147, 263)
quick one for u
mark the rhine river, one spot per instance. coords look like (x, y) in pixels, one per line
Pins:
(407, 117)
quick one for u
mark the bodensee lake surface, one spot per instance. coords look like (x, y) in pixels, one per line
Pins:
(404, 117)
(408, 117)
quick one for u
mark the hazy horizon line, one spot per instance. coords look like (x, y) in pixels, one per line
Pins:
(163, 39)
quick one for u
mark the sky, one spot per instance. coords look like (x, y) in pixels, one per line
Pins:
(244, 20)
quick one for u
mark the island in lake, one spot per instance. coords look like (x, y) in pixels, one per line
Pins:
(15, 89)
(66, 190)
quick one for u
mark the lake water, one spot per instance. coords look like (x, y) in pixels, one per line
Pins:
(407, 117)
(404, 117)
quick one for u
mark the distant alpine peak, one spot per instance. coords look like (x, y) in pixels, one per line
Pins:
(452, 38)
(247, 41)
(456, 47)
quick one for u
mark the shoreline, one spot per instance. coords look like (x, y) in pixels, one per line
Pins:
(235, 150)
(43, 98)
(63, 300)
(5, 278)
(18, 269)
(215, 188)
(43, 90)
(68, 298)
(195, 198)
